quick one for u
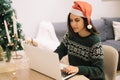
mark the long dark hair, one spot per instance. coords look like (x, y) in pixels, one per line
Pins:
(71, 32)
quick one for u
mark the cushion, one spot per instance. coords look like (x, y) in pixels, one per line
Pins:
(60, 29)
(109, 27)
(113, 43)
(46, 35)
(101, 28)
(116, 28)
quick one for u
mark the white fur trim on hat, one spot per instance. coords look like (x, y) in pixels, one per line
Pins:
(77, 12)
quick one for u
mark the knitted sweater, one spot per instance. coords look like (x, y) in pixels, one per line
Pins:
(84, 52)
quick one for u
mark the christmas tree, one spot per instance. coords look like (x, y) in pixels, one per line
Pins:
(10, 29)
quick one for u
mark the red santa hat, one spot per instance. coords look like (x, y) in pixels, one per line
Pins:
(82, 9)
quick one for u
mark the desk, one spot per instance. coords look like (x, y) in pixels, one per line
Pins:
(21, 71)
(28, 74)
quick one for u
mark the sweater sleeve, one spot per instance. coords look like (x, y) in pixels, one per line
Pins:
(62, 48)
(95, 70)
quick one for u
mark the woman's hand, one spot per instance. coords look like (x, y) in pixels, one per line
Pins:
(32, 42)
(70, 69)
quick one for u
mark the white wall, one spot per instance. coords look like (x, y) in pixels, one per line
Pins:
(31, 12)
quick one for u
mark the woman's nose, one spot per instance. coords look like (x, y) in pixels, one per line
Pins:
(73, 24)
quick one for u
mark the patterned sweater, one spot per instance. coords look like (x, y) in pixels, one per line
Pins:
(84, 52)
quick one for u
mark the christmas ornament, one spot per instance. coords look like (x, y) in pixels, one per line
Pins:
(1, 54)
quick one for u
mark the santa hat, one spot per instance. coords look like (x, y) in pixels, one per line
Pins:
(82, 9)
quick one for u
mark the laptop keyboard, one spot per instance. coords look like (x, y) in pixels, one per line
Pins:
(64, 74)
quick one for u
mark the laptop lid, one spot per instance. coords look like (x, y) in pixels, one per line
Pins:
(44, 61)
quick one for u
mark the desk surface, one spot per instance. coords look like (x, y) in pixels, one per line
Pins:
(19, 70)
(28, 74)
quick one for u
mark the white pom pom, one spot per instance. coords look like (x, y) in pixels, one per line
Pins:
(89, 26)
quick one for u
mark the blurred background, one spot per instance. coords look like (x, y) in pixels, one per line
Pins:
(31, 12)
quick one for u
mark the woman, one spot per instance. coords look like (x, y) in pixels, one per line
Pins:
(81, 44)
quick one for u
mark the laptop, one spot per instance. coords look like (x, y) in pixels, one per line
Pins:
(46, 62)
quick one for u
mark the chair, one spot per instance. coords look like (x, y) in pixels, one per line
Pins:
(110, 62)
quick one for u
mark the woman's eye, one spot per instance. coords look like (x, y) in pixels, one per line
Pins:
(77, 20)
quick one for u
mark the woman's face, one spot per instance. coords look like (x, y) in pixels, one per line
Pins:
(77, 23)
